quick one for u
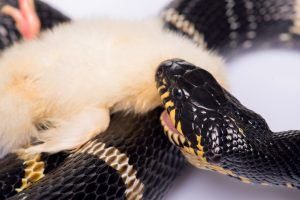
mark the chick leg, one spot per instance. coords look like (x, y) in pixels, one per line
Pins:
(74, 132)
(27, 21)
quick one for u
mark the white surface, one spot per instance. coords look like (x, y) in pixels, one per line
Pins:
(267, 82)
(129, 9)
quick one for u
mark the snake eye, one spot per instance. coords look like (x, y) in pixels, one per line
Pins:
(177, 93)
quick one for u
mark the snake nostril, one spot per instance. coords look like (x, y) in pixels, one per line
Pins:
(163, 67)
(159, 72)
(173, 68)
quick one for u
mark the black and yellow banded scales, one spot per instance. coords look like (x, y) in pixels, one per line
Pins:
(134, 160)
(132, 163)
(216, 132)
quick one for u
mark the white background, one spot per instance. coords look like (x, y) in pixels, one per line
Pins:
(267, 82)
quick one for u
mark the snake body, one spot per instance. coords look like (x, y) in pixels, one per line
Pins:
(134, 159)
(214, 130)
(133, 164)
(233, 26)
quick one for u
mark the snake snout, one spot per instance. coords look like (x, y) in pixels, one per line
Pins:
(173, 68)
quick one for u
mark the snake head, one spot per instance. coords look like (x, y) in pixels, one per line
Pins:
(202, 118)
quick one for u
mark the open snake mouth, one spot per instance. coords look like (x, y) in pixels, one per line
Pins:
(173, 134)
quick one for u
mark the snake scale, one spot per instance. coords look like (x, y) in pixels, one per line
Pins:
(214, 130)
(220, 134)
(130, 162)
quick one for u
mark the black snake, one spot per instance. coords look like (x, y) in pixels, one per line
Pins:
(134, 160)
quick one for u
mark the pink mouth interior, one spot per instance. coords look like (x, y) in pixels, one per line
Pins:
(167, 120)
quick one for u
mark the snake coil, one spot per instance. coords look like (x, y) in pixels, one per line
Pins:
(134, 160)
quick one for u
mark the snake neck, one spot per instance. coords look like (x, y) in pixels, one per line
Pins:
(251, 152)
(274, 159)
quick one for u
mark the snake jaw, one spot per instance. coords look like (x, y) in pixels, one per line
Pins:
(192, 98)
(171, 132)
